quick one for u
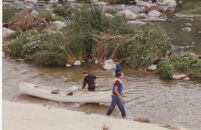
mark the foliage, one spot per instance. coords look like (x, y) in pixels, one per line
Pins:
(92, 34)
(8, 12)
(188, 63)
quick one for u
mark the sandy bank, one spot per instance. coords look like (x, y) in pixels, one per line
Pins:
(20, 116)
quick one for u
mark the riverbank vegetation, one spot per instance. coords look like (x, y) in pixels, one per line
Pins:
(9, 11)
(187, 64)
(93, 35)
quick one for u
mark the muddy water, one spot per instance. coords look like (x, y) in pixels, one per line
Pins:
(146, 96)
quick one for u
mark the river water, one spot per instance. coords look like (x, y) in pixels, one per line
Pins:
(145, 94)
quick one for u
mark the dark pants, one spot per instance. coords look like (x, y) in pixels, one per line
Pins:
(116, 101)
(91, 88)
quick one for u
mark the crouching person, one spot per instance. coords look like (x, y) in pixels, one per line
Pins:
(117, 97)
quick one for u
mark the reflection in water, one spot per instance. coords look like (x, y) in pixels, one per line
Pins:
(145, 95)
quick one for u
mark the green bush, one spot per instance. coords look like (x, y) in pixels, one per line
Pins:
(9, 11)
(188, 64)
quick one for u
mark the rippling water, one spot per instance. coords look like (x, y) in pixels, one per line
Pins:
(145, 95)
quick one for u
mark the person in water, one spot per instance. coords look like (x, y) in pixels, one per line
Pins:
(118, 67)
(117, 97)
(90, 80)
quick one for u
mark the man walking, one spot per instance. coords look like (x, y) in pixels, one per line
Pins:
(117, 97)
(118, 67)
(90, 80)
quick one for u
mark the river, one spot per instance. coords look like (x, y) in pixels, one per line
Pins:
(174, 102)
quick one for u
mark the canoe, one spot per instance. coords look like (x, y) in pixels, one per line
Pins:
(69, 95)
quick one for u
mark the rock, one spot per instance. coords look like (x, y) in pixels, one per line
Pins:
(20, 60)
(96, 61)
(142, 15)
(33, 1)
(109, 64)
(101, 3)
(109, 15)
(34, 13)
(152, 67)
(188, 24)
(68, 65)
(59, 24)
(7, 32)
(110, 11)
(186, 78)
(168, 3)
(187, 29)
(199, 32)
(136, 23)
(180, 2)
(147, 4)
(129, 15)
(154, 13)
(77, 63)
(154, 19)
(178, 76)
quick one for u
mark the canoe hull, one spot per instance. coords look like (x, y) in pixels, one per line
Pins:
(88, 97)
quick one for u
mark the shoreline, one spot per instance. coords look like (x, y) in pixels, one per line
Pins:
(22, 116)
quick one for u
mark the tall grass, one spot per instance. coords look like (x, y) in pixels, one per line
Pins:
(92, 34)
(9, 11)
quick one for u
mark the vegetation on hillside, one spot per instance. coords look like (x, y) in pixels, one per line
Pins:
(9, 11)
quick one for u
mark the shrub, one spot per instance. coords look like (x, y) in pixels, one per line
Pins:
(9, 11)
(188, 63)
(24, 20)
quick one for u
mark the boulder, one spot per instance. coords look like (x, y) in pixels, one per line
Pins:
(142, 15)
(7, 32)
(188, 24)
(167, 4)
(77, 63)
(68, 65)
(178, 76)
(109, 64)
(34, 13)
(186, 78)
(129, 15)
(136, 23)
(186, 29)
(32, 1)
(96, 61)
(146, 4)
(109, 15)
(152, 67)
(154, 13)
(59, 24)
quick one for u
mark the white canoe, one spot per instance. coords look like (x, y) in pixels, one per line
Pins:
(80, 96)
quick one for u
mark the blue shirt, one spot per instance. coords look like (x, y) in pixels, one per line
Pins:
(118, 69)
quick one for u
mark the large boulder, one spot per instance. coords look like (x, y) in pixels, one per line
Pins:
(59, 25)
(167, 4)
(146, 4)
(7, 32)
(109, 64)
(154, 13)
(129, 15)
